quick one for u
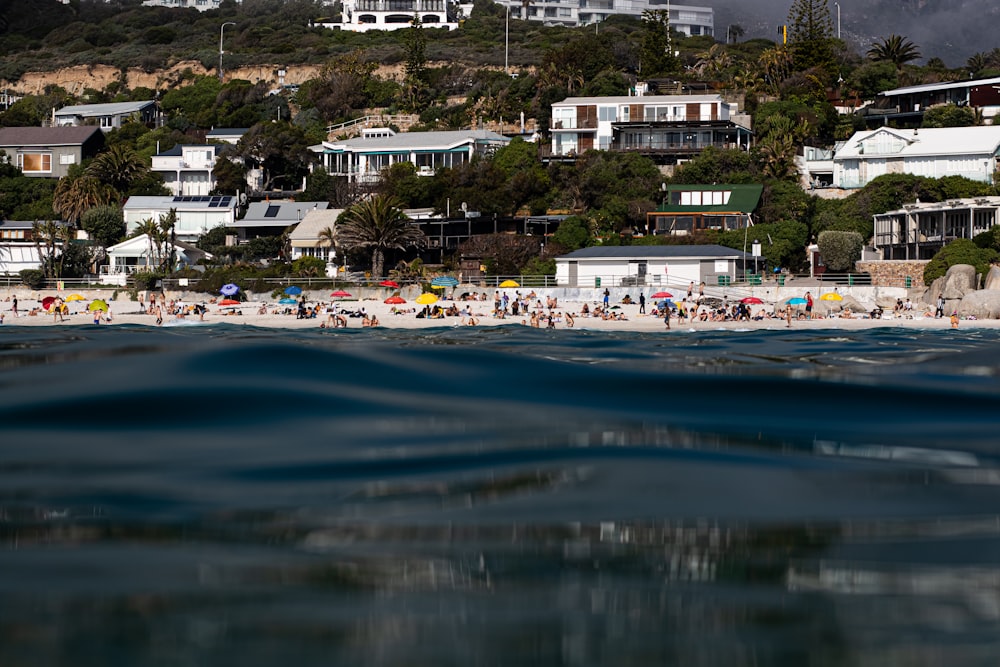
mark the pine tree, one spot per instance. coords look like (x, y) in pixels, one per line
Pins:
(810, 35)
(657, 51)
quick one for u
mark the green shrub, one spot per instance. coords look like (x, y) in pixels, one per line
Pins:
(840, 250)
(33, 278)
(959, 251)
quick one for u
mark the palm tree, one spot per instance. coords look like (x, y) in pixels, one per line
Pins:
(379, 224)
(894, 49)
(328, 239)
(75, 196)
(119, 167)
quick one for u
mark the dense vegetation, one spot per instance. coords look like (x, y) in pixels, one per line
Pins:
(455, 79)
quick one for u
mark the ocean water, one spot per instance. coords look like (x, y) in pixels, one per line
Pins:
(219, 495)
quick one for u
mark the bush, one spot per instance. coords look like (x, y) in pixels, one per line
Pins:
(33, 278)
(146, 280)
(959, 251)
(840, 250)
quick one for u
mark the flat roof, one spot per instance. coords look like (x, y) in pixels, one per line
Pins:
(656, 252)
(109, 109)
(640, 99)
(941, 86)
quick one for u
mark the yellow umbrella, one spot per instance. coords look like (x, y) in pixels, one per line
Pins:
(438, 287)
(74, 297)
(510, 283)
(831, 296)
(426, 299)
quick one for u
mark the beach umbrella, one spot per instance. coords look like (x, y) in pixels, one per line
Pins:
(229, 302)
(389, 283)
(509, 283)
(751, 299)
(395, 300)
(340, 294)
(75, 297)
(288, 302)
(797, 301)
(831, 296)
(98, 304)
(47, 302)
(427, 298)
(662, 295)
(444, 281)
(294, 290)
(229, 289)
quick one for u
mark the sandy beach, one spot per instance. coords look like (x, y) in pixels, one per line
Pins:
(128, 312)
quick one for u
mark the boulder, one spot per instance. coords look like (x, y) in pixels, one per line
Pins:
(932, 292)
(992, 280)
(959, 281)
(983, 305)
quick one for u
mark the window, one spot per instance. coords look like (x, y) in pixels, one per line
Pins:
(35, 163)
(67, 159)
(107, 122)
(606, 114)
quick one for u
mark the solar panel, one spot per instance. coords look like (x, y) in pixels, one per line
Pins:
(272, 211)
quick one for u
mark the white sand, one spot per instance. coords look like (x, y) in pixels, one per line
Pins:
(126, 312)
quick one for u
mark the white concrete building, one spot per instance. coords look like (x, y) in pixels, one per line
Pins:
(653, 266)
(188, 170)
(685, 19)
(365, 15)
(665, 127)
(195, 215)
(140, 254)
(932, 152)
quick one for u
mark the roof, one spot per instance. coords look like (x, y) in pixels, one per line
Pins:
(641, 99)
(306, 233)
(227, 132)
(278, 213)
(743, 198)
(178, 150)
(47, 136)
(417, 140)
(224, 202)
(110, 109)
(656, 252)
(945, 85)
(141, 243)
(975, 140)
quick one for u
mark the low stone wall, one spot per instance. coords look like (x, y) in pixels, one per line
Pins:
(894, 272)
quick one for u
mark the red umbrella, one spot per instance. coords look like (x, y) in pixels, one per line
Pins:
(751, 299)
(395, 300)
(340, 294)
(48, 301)
(229, 302)
(662, 295)
(389, 283)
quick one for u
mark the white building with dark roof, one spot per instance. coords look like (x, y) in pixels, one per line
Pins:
(188, 170)
(689, 20)
(195, 215)
(362, 159)
(931, 152)
(654, 266)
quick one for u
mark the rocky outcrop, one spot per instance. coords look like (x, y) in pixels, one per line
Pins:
(992, 280)
(982, 304)
(959, 281)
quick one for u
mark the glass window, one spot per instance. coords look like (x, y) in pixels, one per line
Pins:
(35, 163)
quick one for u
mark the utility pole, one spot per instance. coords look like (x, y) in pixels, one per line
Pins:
(838, 19)
(222, 30)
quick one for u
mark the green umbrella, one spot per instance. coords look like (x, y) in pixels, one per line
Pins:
(98, 304)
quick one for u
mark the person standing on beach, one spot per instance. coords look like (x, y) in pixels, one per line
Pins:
(666, 315)
(14, 307)
(690, 290)
(940, 307)
(642, 304)
(701, 292)
(788, 314)
(607, 298)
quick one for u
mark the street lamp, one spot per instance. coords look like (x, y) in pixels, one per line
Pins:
(222, 30)
(755, 249)
(838, 19)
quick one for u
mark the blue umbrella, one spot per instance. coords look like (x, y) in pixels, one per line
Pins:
(294, 290)
(444, 281)
(288, 302)
(229, 289)
(797, 301)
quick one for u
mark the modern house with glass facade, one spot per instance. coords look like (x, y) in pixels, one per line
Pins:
(687, 209)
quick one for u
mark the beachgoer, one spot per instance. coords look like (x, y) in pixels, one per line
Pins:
(666, 315)
(809, 306)
(690, 290)
(954, 319)
(158, 311)
(607, 298)
(788, 314)
(940, 307)
(14, 307)
(701, 292)
(97, 317)
(642, 304)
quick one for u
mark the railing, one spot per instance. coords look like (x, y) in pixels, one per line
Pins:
(394, 119)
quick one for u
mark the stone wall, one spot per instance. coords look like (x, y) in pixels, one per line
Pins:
(894, 272)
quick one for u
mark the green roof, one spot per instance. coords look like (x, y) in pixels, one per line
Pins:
(742, 199)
